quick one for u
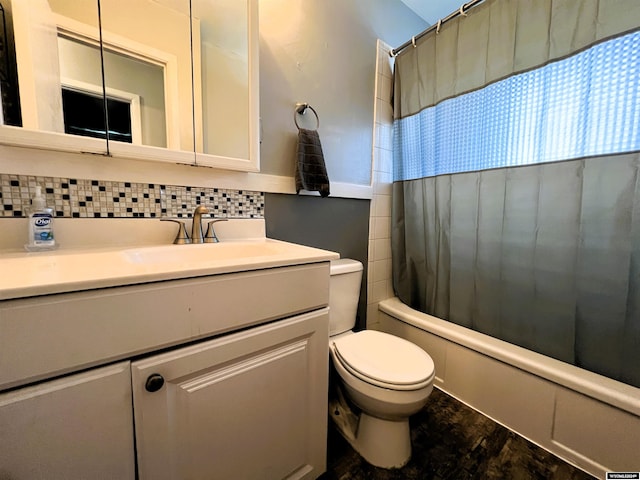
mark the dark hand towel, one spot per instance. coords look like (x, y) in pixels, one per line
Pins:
(311, 172)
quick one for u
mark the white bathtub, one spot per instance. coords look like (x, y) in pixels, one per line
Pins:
(591, 421)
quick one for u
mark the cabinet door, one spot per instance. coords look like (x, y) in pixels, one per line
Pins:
(76, 427)
(251, 405)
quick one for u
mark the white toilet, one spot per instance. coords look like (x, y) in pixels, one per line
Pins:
(386, 377)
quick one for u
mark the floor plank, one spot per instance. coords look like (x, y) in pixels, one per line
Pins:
(452, 441)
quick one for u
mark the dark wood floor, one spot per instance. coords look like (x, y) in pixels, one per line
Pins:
(450, 442)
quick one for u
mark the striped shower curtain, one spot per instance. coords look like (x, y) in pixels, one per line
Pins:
(516, 197)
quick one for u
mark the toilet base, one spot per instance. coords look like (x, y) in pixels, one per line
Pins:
(382, 443)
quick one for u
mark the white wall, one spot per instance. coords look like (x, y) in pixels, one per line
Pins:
(379, 284)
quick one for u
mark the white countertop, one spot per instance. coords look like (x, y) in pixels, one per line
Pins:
(28, 274)
(44, 273)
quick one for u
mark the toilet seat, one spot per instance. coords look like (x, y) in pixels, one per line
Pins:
(385, 360)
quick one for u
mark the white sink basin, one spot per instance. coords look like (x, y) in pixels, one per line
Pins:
(206, 252)
(43, 273)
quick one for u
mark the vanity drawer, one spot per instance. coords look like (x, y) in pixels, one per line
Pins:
(51, 335)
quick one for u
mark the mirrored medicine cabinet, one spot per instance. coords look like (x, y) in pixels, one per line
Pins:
(178, 79)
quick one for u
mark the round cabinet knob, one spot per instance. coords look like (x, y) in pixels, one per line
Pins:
(154, 382)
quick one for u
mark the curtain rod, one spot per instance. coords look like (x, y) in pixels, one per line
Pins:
(461, 11)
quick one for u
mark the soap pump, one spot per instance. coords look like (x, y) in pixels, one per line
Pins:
(40, 225)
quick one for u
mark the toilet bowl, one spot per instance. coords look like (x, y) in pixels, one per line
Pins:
(381, 379)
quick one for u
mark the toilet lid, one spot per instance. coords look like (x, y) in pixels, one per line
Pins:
(385, 359)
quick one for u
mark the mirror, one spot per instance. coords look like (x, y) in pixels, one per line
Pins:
(221, 57)
(150, 62)
(165, 100)
(34, 67)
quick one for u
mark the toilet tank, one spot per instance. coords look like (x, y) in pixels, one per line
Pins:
(344, 292)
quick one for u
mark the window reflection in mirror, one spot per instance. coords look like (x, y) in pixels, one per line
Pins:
(141, 84)
(132, 82)
(81, 87)
(221, 59)
(84, 115)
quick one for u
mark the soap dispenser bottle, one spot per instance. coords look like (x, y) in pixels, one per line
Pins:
(40, 225)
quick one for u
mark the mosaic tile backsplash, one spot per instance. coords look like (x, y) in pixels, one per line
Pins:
(82, 198)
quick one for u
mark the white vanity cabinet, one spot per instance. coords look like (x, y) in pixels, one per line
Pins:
(75, 427)
(239, 372)
(248, 405)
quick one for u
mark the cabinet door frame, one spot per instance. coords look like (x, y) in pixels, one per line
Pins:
(77, 426)
(160, 416)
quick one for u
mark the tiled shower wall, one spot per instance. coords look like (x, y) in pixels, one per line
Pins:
(84, 198)
(379, 285)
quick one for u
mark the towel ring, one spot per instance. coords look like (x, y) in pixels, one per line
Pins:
(301, 109)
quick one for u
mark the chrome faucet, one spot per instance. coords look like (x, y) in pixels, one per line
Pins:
(196, 226)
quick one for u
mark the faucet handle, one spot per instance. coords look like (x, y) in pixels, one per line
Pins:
(182, 237)
(210, 236)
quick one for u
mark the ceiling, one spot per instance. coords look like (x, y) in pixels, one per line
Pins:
(433, 10)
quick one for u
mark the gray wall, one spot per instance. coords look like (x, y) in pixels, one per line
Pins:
(324, 52)
(337, 224)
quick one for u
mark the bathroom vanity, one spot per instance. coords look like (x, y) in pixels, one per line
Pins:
(165, 362)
